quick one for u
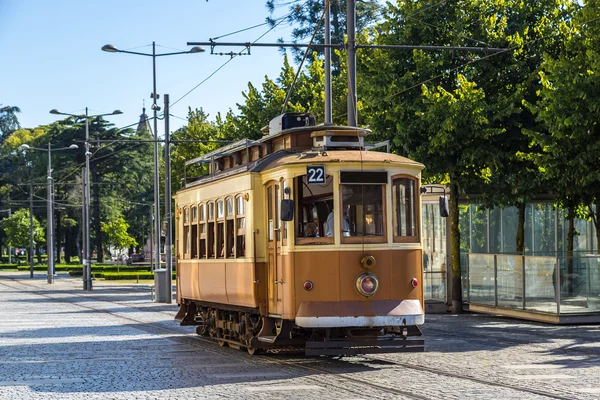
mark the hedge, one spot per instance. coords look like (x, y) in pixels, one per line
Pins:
(112, 276)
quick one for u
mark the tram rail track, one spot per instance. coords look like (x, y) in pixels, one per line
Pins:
(314, 371)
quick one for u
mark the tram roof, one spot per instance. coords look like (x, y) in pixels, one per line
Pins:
(290, 158)
(340, 156)
(231, 148)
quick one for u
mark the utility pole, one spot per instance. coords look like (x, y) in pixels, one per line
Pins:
(168, 239)
(30, 224)
(87, 256)
(50, 217)
(84, 218)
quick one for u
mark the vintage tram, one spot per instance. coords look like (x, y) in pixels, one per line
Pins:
(302, 239)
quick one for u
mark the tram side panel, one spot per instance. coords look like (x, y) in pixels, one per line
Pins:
(235, 281)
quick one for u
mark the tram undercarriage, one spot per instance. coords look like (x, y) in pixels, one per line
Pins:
(247, 329)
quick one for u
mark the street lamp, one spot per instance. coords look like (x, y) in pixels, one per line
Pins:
(155, 108)
(50, 228)
(87, 264)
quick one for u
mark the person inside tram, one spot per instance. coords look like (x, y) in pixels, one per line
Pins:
(311, 230)
(329, 229)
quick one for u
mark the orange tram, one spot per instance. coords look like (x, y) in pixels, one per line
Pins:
(302, 240)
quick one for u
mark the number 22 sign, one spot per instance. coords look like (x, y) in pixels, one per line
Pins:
(315, 174)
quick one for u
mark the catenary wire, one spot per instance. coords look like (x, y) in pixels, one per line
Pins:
(230, 59)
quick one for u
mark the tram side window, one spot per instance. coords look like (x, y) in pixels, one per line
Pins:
(220, 229)
(314, 205)
(363, 211)
(240, 223)
(202, 230)
(194, 228)
(186, 232)
(404, 198)
(211, 230)
(229, 228)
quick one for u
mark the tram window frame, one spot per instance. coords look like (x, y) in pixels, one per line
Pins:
(220, 229)
(284, 224)
(202, 227)
(186, 233)
(210, 241)
(354, 235)
(194, 232)
(307, 211)
(407, 238)
(229, 227)
(240, 226)
(277, 190)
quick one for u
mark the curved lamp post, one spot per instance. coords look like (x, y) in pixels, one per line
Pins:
(50, 209)
(155, 108)
(87, 264)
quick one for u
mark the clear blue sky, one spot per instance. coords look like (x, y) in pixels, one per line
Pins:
(51, 56)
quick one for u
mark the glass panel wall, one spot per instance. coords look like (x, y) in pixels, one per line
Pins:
(531, 283)
(434, 252)
(510, 280)
(481, 279)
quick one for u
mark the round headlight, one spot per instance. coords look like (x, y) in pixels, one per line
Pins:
(367, 284)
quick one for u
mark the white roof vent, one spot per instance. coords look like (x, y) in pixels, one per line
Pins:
(339, 139)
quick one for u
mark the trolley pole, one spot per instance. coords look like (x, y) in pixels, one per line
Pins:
(351, 54)
(327, 51)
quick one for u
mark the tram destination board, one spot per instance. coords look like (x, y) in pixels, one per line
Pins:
(315, 174)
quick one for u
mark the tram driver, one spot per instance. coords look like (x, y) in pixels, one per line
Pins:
(329, 229)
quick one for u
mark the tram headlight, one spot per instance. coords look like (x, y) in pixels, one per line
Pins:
(367, 284)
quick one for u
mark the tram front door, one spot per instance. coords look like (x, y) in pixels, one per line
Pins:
(275, 270)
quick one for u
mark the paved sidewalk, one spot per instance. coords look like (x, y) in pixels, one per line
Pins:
(59, 342)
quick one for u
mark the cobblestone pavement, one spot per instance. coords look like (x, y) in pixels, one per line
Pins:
(59, 342)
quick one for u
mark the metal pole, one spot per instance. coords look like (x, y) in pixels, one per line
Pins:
(9, 247)
(156, 181)
(351, 54)
(328, 112)
(83, 228)
(30, 224)
(50, 217)
(87, 258)
(168, 243)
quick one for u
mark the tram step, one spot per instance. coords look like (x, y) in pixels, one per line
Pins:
(267, 339)
(355, 347)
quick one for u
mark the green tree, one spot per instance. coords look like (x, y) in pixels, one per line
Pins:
(569, 108)
(16, 228)
(463, 91)
(117, 235)
(8, 121)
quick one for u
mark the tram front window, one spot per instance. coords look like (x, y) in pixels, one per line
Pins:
(314, 204)
(363, 211)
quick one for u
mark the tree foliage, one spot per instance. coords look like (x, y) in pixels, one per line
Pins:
(9, 121)
(16, 228)
(116, 231)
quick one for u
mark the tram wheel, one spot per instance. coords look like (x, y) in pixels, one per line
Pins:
(222, 343)
(252, 350)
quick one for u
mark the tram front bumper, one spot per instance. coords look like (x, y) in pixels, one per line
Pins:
(368, 313)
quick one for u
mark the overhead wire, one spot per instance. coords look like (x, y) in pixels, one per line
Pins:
(291, 88)
(233, 55)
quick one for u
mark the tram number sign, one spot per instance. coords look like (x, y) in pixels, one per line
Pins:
(315, 174)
